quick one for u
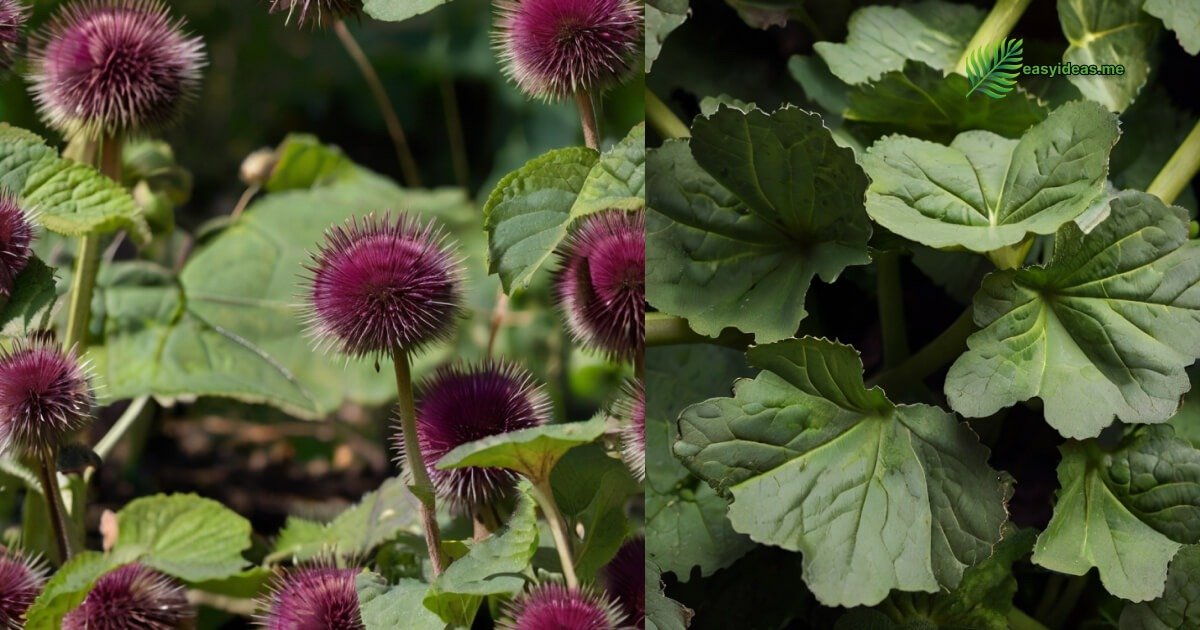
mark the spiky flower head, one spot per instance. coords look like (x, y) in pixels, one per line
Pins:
(601, 283)
(318, 13)
(630, 411)
(379, 284)
(552, 606)
(16, 234)
(625, 580)
(44, 395)
(314, 598)
(21, 580)
(114, 67)
(553, 49)
(461, 404)
(133, 597)
(13, 14)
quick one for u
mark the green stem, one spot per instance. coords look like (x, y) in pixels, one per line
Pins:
(87, 260)
(1179, 170)
(544, 495)
(110, 440)
(1018, 620)
(421, 486)
(664, 121)
(668, 330)
(587, 117)
(942, 350)
(454, 129)
(996, 26)
(54, 501)
(1065, 604)
(891, 309)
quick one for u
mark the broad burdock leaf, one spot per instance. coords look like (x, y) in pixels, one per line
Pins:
(385, 606)
(882, 38)
(184, 535)
(662, 612)
(1106, 33)
(919, 101)
(1182, 17)
(399, 10)
(994, 71)
(876, 496)
(662, 17)
(1126, 511)
(1179, 606)
(378, 517)
(1105, 329)
(742, 223)
(985, 192)
(531, 452)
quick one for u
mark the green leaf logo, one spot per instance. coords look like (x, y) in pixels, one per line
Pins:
(994, 71)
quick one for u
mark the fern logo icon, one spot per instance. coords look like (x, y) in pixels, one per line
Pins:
(993, 70)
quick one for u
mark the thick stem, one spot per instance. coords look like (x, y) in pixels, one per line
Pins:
(996, 26)
(891, 309)
(87, 260)
(664, 121)
(668, 330)
(544, 495)
(1179, 170)
(499, 313)
(54, 501)
(942, 350)
(587, 116)
(408, 165)
(421, 486)
(454, 128)
(1018, 620)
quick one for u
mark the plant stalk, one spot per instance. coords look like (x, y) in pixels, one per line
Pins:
(54, 501)
(105, 446)
(587, 116)
(942, 350)
(668, 330)
(996, 26)
(664, 121)
(891, 309)
(454, 129)
(1018, 620)
(544, 495)
(408, 164)
(421, 486)
(1179, 170)
(87, 260)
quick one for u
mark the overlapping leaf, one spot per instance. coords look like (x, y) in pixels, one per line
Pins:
(662, 17)
(531, 452)
(1105, 329)
(876, 496)
(1179, 606)
(985, 192)
(1108, 33)
(386, 606)
(1126, 511)
(742, 223)
(1181, 16)
(378, 517)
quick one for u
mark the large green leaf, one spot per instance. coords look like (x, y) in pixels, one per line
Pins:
(33, 294)
(1105, 33)
(378, 517)
(686, 525)
(985, 192)
(1179, 606)
(386, 606)
(1126, 511)
(70, 198)
(531, 452)
(592, 489)
(399, 10)
(882, 38)
(189, 537)
(876, 496)
(741, 225)
(662, 17)
(1105, 329)
(1181, 16)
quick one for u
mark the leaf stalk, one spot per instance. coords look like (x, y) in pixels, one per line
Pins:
(664, 121)
(421, 486)
(1179, 169)
(996, 26)
(544, 495)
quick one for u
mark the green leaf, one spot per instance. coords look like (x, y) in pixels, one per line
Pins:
(764, 203)
(304, 162)
(919, 101)
(618, 180)
(69, 198)
(686, 525)
(1125, 511)
(494, 566)
(876, 496)
(818, 83)
(531, 452)
(662, 17)
(385, 606)
(32, 296)
(1179, 606)
(1105, 329)
(189, 537)
(662, 612)
(377, 518)
(1181, 16)
(399, 10)
(882, 38)
(985, 192)
(67, 588)
(1104, 33)
(593, 488)
(994, 74)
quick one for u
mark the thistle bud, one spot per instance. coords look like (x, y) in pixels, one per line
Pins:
(21, 580)
(552, 606)
(133, 597)
(44, 396)
(630, 410)
(318, 13)
(314, 598)
(625, 580)
(13, 14)
(16, 234)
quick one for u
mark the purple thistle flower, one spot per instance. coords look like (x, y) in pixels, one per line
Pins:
(132, 597)
(21, 580)
(601, 285)
(461, 404)
(114, 67)
(13, 14)
(552, 606)
(44, 395)
(630, 409)
(554, 48)
(625, 579)
(317, 12)
(380, 284)
(16, 233)
(314, 598)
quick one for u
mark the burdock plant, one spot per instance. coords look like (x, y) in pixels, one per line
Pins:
(16, 235)
(384, 287)
(630, 410)
(553, 606)
(312, 598)
(625, 580)
(21, 579)
(133, 597)
(558, 49)
(13, 14)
